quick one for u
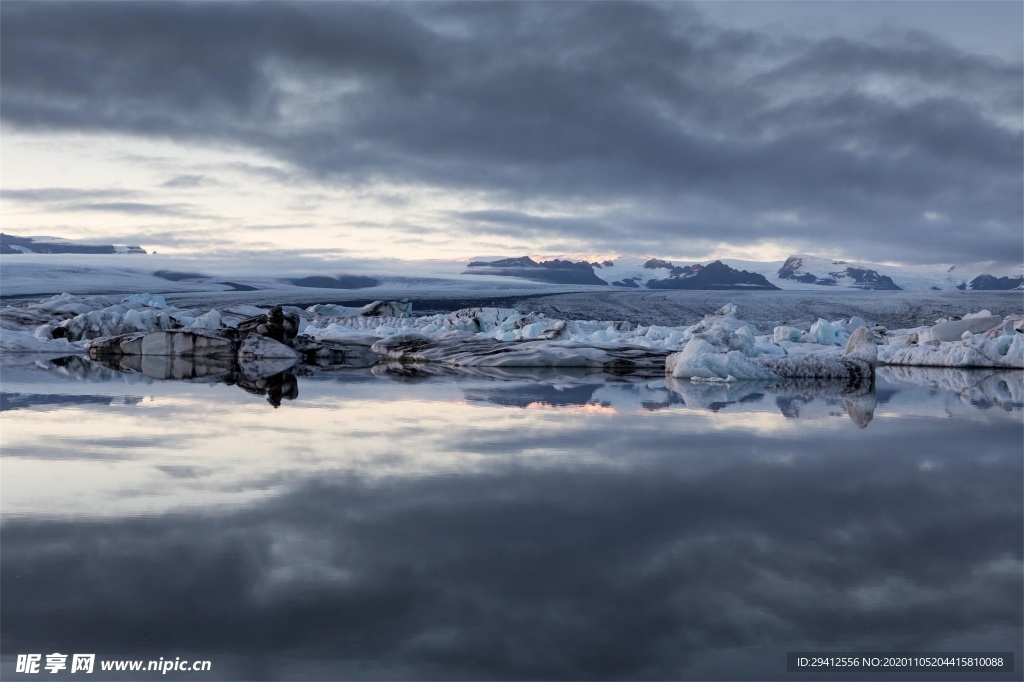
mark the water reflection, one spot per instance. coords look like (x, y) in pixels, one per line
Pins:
(557, 526)
(551, 387)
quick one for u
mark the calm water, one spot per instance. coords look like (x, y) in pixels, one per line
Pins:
(556, 527)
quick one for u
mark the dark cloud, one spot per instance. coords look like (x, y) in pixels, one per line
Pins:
(692, 131)
(89, 200)
(517, 223)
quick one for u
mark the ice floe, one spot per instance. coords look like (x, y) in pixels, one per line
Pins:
(719, 347)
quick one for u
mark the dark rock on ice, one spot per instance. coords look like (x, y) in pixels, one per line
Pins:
(276, 324)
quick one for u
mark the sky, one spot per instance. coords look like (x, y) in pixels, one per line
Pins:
(888, 132)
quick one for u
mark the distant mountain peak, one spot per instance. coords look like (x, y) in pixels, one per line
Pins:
(12, 244)
(811, 270)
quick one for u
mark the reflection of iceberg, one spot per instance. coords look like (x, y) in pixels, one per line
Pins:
(275, 387)
(534, 394)
(516, 373)
(169, 367)
(527, 386)
(715, 395)
(71, 367)
(270, 377)
(859, 401)
(978, 386)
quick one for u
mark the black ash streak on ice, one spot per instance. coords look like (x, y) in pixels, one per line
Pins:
(688, 128)
(664, 570)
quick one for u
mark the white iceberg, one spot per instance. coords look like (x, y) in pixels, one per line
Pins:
(702, 360)
(972, 350)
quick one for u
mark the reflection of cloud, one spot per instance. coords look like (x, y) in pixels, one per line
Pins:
(691, 556)
(366, 414)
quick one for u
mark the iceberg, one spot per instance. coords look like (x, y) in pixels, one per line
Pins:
(977, 340)
(463, 349)
(14, 341)
(972, 350)
(401, 308)
(701, 360)
(953, 330)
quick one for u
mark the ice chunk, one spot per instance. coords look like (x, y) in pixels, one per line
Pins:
(784, 333)
(198, 343)
(463, 349)
(701, 360)
(401, 308)
(862, 345)
(819, 365)
(827, 334)
(27, 342)
(479, 319)
(256, 347)
(855, 323)
(1006, 350)
(953, 330)
(148, 300)
(208, 320)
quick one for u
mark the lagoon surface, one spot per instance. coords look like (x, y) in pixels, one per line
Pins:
(511, 526)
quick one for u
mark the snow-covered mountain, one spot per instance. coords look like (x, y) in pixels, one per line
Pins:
(824, 272)
(11, 244)
(45, 264)
(554, 271)
(652, 274)
(799, 271)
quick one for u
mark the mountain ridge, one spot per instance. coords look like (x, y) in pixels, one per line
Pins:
(798, 271)
(12, 244)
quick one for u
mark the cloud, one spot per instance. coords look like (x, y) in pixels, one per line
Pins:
(134, 208)
(63, 194)
(644, 110)
(86, 200)
(189, 181)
